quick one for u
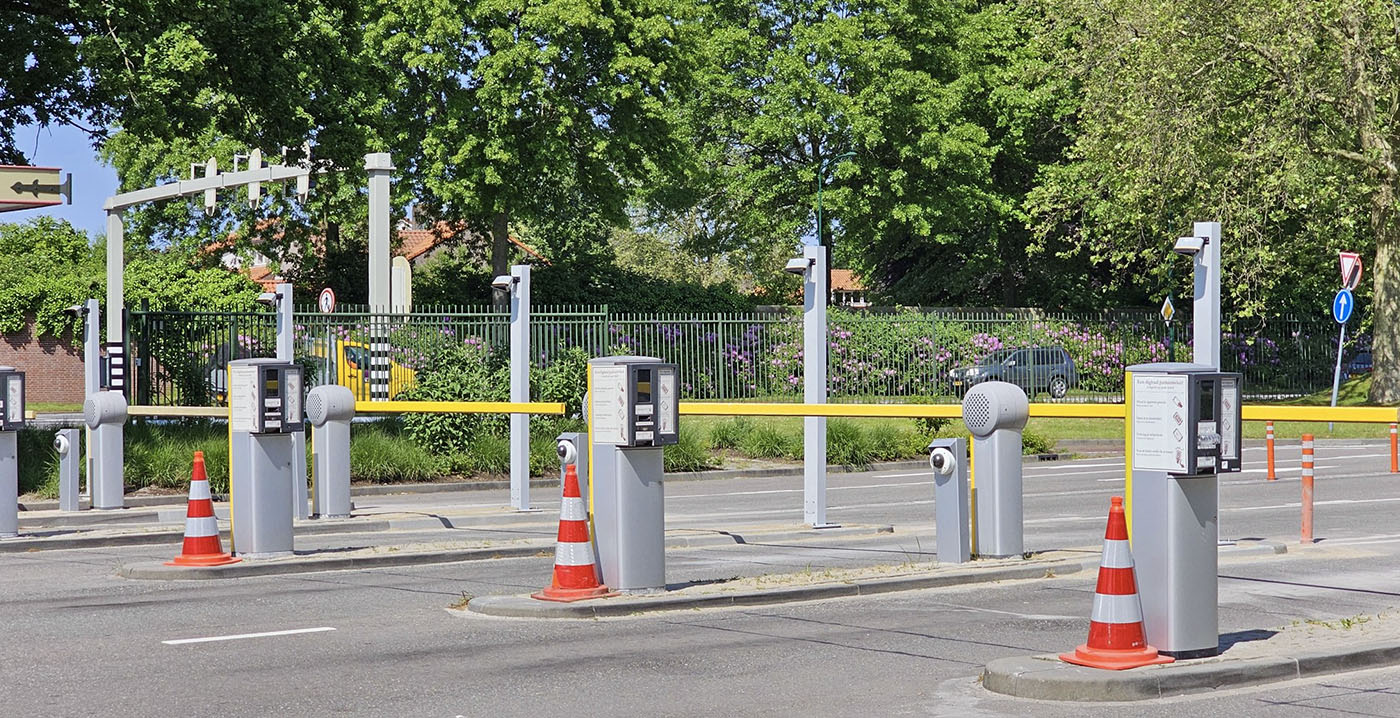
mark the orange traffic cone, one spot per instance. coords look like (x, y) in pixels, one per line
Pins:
(1116, 638)
(202, 547)
(575, 576)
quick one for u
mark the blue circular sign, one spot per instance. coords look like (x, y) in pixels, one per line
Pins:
(1342, 306)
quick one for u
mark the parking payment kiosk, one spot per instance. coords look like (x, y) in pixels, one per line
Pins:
(1184, 425)
(11, 421)
(265, 409)
(633, 407)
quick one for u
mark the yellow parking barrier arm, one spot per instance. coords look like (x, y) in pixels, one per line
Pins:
(555, 408)
(1352, 414)
(179, 412)
(903, 411)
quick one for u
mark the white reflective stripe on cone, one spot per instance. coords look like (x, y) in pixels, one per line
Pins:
(572, 510)
(1116, 554)
(199, 490)
(573, 554)
(201, 527)
(1116, 609)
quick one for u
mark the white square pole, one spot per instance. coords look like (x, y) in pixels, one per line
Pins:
(814, 291)
(520, 386)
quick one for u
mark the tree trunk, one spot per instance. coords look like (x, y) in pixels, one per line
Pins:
(1385, 310)
(500, 253)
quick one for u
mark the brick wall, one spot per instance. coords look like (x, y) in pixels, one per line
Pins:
(53, 368)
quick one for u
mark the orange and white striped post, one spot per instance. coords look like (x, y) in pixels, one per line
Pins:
(1307, 488)
(1394, 452)
(1269, 448)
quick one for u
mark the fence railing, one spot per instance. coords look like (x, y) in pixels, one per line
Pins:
(906, 355)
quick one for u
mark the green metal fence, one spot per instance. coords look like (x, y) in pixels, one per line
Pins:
(873, 355)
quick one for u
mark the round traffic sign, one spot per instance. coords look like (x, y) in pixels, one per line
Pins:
(326, 302)
(1342, 306)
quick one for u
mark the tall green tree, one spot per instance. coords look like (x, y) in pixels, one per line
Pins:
(921, 93)
(263, 72)
(508, 111)
(1279, 118)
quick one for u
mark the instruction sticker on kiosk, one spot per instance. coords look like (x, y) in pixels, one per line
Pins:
(242, 397)
(609, 400)
(1159, 411)
(666, 400)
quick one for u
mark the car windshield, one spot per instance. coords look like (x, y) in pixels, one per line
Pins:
(997, 357)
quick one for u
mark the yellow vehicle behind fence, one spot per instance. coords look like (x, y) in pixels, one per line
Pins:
(351, 369)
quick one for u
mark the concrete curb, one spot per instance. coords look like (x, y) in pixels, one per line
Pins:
(1048, 678)
(526, 607)
(311, 562)
(174, 537)
(546, 483)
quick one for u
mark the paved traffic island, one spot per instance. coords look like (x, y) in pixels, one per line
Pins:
(388, 554)
(1301, 649)
(786, 588)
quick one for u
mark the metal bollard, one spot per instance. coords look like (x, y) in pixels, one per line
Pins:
(1307, 488)
(330, 409)
(66, 444)
(1394, 452)
(1269, 448)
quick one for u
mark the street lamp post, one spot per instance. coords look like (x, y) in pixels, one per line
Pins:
(821, 180)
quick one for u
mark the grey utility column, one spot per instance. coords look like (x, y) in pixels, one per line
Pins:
(633, 405)
(948, 459)
(11, 421)
(264, 398)
(1184, 423)
(996, 412)
(330, 409)
(105, 415)
(65, 444)
(578, 442)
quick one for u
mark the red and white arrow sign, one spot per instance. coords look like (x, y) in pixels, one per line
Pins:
(1351, 269)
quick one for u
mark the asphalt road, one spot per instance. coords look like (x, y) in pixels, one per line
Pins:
(83, 642)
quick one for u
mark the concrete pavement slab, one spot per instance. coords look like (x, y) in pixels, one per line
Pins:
(1298, 650)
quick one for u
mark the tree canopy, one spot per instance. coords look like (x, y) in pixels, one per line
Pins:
(973, 152)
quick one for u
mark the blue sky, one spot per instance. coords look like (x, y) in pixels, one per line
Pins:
(93, 182)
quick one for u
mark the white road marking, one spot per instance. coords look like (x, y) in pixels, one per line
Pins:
(240, 636)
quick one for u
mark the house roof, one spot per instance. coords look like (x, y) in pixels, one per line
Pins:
(845, 280)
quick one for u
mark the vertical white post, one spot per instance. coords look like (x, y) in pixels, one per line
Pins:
(520, 386)
(286, 337)
(109, 470)
(285, 331)
(814, 343)
(115, 263)
(379, 165)
(92, 377)
(1206, 312)
(1206, 307)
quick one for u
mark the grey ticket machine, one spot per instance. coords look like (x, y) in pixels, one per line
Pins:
(632, 410)
(11, 421)
(948, 459)
(995, 412)
(1184, 424)
(265, 408)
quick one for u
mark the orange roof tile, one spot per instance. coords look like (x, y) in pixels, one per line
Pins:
(844, 280)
